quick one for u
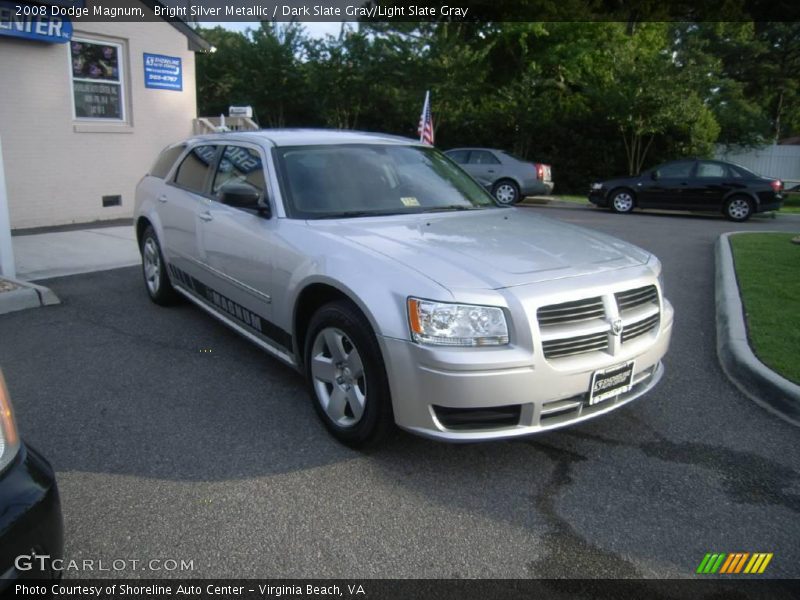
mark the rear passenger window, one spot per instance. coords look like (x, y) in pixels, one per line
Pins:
(460, 156)
(193, 172)
(239, 165)
(165, 161)
(709, 169)
(481, 157)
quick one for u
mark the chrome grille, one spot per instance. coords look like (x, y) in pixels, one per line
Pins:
(630, 299)
(583, 326)
(639, 328)
(571, 312)
(575, 345)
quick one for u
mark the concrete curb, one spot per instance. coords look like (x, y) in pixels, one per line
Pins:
(757, 381)
(26, 295)
(552, 202)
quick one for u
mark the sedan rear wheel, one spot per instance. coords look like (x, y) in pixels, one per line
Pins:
(347, 375)
(506, 192)
(622, 201)
(738, 209)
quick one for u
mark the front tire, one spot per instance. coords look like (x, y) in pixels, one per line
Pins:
(347, 376)
(154, 270)
(622, 201)
(506, 192)
(738, 209)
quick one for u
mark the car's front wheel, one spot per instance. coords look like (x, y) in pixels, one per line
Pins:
(738, 209)
(506, 191)
(154, 270)
(622, 201)
(347, 376)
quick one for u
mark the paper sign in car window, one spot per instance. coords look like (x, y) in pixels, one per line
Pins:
(409, 201)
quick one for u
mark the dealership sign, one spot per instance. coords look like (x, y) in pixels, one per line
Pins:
(163, 72)
(34, 22)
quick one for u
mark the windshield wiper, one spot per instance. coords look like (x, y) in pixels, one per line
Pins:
(451, 207)
(360, 213)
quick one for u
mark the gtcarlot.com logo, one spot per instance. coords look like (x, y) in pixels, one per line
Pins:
(43, 562)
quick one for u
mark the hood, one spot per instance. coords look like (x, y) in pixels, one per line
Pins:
(487, 248)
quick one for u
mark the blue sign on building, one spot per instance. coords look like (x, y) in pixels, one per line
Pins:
(33, 22)
(163, 72)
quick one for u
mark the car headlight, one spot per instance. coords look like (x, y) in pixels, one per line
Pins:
(655, 266)
(597, 186)
(446, 324)
(9, 438)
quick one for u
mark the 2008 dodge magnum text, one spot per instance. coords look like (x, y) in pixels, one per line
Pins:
(400, 288)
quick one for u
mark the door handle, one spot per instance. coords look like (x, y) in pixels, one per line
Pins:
(491, 170)
(162, 198)
(206, 216)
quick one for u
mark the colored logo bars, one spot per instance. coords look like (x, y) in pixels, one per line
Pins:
(732, 564)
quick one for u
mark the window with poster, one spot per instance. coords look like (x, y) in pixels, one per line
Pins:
(97, 80)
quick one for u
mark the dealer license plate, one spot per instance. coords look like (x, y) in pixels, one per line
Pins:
(611, 382)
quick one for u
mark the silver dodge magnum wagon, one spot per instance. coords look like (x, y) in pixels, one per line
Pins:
(389, 277)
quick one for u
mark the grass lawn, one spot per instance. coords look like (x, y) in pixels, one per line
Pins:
(571, 198)
(768, 270)
(791, 203)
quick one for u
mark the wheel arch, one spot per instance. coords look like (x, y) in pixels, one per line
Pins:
(752, 196)
(311, 298)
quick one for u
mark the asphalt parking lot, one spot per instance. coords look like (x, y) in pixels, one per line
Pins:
(174, 438)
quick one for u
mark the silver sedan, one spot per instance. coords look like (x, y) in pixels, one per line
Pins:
(399, 287)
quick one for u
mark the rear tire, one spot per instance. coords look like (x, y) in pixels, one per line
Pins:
(622, 201)
(154, 270)
(738, 209)
(347, 377)
(506, 192)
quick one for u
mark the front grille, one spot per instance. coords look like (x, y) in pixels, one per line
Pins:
(583, 326)
(630, 299)
(478, 418)
(571, 312)
(640, 328)
(575, 345)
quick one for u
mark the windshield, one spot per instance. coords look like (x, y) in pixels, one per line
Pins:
(355, 180)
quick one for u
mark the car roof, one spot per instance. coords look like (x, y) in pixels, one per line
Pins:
(305, 137)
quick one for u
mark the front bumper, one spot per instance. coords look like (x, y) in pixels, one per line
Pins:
(514, 389)
(598, 198)
(30, 517)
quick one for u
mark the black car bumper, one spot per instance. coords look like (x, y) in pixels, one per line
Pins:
(598, 197)
(30, 519)
(767, 206)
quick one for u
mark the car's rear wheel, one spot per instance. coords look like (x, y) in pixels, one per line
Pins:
(154, 270)
(506, 192)
(347, 376)
(622, 201)
(738, 209)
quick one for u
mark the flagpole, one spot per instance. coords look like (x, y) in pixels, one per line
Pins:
(422, 116)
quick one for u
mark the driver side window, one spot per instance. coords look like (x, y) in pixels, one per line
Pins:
(239, 165)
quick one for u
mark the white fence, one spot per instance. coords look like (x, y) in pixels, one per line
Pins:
(781, 162)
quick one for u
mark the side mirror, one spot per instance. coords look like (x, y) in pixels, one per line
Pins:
(241, 195)
(654, 175)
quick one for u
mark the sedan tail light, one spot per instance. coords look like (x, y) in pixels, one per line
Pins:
(777, 185)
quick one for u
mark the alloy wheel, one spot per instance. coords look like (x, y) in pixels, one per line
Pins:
(739, 209)
(338, 377)
(152, 265)
(623, 202)
(505, 193)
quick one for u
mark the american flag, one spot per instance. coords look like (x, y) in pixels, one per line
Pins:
(425, 129)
